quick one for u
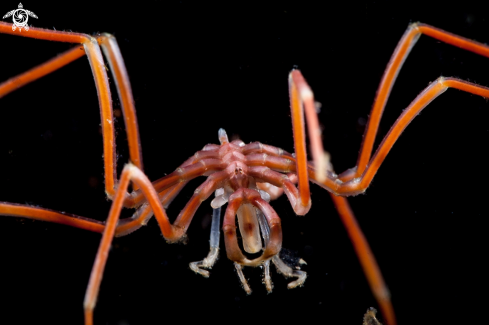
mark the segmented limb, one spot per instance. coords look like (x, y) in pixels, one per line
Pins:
(353, 186)
(125, 226)
(211, 258)
(266, 175)
(435, 89)
(301, 93)
(25, 211)
(118, 68)
(367, 260)
(267, 278)
(402, 50)
(281, 266)
(169, 231)
(184, 173)
(242, 279)
(94, 55)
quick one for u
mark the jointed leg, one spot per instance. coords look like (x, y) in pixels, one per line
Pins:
(301, 93)
(266, 175)
(211, 258)
(402, 50)
(94, 55)
(431, 92)
(359, 185)
(369, 264)
(244, 282)
(170, 232)
(124, 227)
(91, 48)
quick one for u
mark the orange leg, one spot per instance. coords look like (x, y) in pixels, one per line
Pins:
(356, 180)
(168, 186)
(367, 259)
(402, 50)
(360, 244)
(301, 96)
(368, 262)
(359, 185)
(130, 173)
(94, 55)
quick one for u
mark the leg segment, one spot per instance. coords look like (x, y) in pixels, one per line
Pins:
(302, 100)
(40, 71)
(113, 54)
(24, 211)
(211, 258)
(181, 174)
(366, 258)
(296, 101)
(244, 282)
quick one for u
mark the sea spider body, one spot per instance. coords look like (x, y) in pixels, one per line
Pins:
(239, 175)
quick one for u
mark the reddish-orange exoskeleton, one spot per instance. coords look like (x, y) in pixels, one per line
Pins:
(246, 176)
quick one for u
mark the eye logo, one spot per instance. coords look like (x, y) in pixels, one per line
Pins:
(20, 17)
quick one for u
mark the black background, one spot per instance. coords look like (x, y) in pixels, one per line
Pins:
(197, 67)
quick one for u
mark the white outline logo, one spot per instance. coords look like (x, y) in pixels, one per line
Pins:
(20, 17)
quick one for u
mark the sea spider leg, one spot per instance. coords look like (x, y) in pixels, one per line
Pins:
(266, 175)
(169, 231)
(435, 89)
(296, 105)
(91, 48)
(118, 68)
(402, 50)
(356, 180)
(431, 92)
(211, 258)
(96, 61)
(366, 258)
(126, 226)
(360, 244)
(400, 54)
(40, 71)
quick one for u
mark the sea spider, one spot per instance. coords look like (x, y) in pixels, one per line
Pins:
(236, 181)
